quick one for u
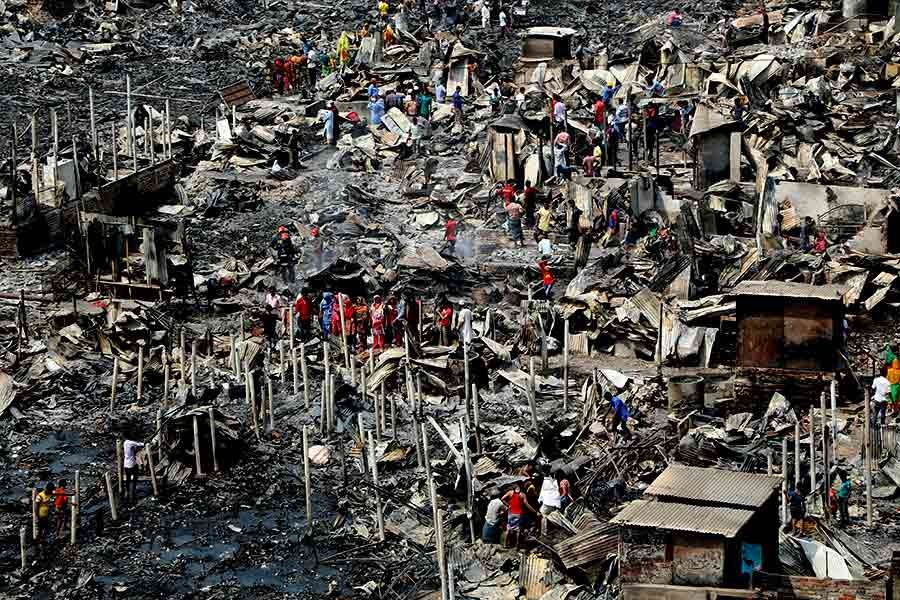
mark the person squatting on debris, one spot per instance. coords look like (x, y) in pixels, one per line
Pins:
(131, 469)
(620, 414)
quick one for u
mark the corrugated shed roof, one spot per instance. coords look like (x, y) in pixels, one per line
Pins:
(748, 490)
(788, 289)
(674, 516)
(588, 546)
(535, 576)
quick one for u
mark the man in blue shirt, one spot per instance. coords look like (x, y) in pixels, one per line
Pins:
(620, 414)
(843, 498)
(373, 89)
(458, 104)
(376, 111)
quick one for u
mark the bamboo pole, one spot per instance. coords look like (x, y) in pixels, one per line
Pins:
(826, 467)
(468, 399)
(140, 376)
(34, 515)
(470, 493)
(326, 399)
(112, 384)
(332, 401)
(566, 365)
(115, 152)
(378, 507)
(436, 515)
(532, 401)
(346, 348)
(212, 438)
(167, 143)
(797, 454)
(120, 466)
(282, 366)
(93, 120)
(812, 452)
(362, 443)
(477, 419)
(271, 402)
(23, 536)
(75, 507)
(770, 467)
(251, 386)
(181, 361)
(383, 407)
(290, 320)
(784, 485)
(197, 446)
(353, 362)
(393, 416)
(152, 468)
(162, 433)
(867, 432)
(129, 134)
(111, 497)
(194, 368)
(305, 371)
(166, 376)
(307, 482)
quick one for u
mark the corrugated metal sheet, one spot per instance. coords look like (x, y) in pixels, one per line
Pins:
(533, 578)
(750, 490)
(588, 546)
(674, 516)
(789, 290)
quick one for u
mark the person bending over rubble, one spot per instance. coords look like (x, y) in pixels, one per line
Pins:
(549, 498)
(490, 533)
(131, 449)
(620, 414)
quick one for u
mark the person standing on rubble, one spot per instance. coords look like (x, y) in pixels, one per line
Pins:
(519, 508)
(485, 15)
(882, 388)
(544, 221)
(620, 414)
(440, 93)
(458, 105)
(547, 279)
(131, 449)
(599, 112)
(843, 498)
(330, 117)
(325, 310)
(60, 505)
(390, 320)
(464, 323)
(797, 502)
(378, 323)
(549, 498)
(514, 212)
(529, 198)
(444, 321)
(274, 304)
(450, 235)
(400, 320)
(284, 250)
(376, 110)
(560, 115)
(42, 502)
(361, 323)
(612, 144)
(426, 104)
(303, 315)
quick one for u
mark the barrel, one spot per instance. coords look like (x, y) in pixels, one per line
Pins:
(685, 393)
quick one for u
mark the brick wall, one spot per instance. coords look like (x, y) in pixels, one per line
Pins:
(812, 588)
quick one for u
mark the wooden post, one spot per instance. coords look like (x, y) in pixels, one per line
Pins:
(251, 386)
(181, 352)
(353, 362)
(152, 468)
(75, 505)
(34, 515)
(307, 483)
(477, 419)
(129, 134)
(812, 452)
(468, 389)
(162, 434)
(197, 446)
(166, 376)
(797, 453)
(140, 375)
(120, 466)
(470, 492)
(271, 402)
(212, 438)
(770, 467)
(566, 365)
(419, 398)
(282, 366)
(111, 497)
(93, 121)
(291, 327)
(115, 152)
(377, 410)
(378, 506)
(394, 416)
(826, 467)
(326, 400)
(305, 372)
(784, 478)
(867, 444)
(112, 384)
(194, 368)
(23, 536)
(436, 515)
(532, 399)
(362, 443)
(55, 128)
(362, 382)
(167, 143)
(332, 401)
(383, 407)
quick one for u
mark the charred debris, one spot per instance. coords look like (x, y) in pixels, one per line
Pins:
(722, 243)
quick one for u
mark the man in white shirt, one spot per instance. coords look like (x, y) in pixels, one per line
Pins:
(882, 388)
(465, 324)
(491, 530)
(131, 449)
(485, 16)
(549, 497)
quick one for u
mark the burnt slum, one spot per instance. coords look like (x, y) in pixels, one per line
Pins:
(722, 237)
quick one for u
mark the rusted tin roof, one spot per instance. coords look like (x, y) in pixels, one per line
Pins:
(746, 490)
(787, 289)
(674, 516)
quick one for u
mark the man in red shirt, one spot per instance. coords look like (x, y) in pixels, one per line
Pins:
(547, 278)
(599, 112)
(508, 192)
(450, 235)
(445, 318)
(303, 315)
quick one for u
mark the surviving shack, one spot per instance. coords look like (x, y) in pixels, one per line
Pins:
(702, 527)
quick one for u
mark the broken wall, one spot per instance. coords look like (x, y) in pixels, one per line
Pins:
(713, 158)
(645, 557)
(697, 560)
(812, 588)
(672, 592)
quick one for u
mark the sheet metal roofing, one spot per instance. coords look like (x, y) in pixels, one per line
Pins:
(746, 490)
(674, 516)
(788, 289)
